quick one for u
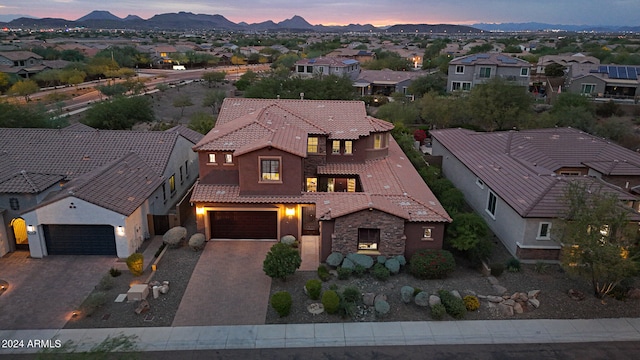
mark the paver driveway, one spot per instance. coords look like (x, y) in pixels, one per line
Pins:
(228, 286)
(44, 292)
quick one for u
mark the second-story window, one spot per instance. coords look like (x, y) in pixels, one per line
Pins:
(348, 147)
(312, 144)
(228, 158)
(270, 169)
(524, 71)
(459, 69)
(485, 72)
(212, 158)
(377, 141)
(335, 147)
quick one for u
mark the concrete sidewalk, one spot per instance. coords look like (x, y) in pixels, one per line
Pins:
(344, 334)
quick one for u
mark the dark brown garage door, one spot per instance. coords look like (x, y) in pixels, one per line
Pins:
(244, 224)
(80, 239)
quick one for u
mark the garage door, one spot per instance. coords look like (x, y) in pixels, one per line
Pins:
(244, 224)
(80, 239)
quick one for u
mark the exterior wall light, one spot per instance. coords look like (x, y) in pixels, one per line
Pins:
(120, 230)
(199, 211)
(290, 212)
(31, 229)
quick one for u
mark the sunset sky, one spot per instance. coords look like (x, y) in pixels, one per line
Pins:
(342, 12)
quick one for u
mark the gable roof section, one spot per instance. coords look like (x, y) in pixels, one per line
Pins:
(68, 153)
(519, 166)
(496, 59)
(121, 186)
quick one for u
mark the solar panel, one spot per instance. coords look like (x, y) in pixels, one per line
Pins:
(613, 72)
(469, 60)
(633, 73)
(507, 60)
(622, 72)
(603, 69)
(483, 56)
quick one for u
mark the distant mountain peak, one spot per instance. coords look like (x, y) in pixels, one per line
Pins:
(132, 18)
(296, 22)
(99, 15)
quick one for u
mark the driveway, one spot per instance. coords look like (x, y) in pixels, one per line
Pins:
(44, 292)
(228, 286)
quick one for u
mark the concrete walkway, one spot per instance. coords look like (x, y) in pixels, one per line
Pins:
(310, 253)
(345, 334)
(228, 286)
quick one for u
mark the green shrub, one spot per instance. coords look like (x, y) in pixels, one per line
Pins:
(496, 269)
(281, 303)
(359, 270)
(281, 261)
(344, 273)
(438, 311)
(454, 306)
(471, 303)
(314, 288)
(115, 272)
(541, 267)
(135, 263)
(380, 272)
(323, 273)
(333, 287)
(93, 302)
(431, 264)
(351, 294)
(106, 283)
(513, 265)
(331, 301)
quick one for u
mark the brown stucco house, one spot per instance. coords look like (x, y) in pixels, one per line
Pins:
(270, 168)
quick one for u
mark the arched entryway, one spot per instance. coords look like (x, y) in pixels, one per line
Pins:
(19, 227)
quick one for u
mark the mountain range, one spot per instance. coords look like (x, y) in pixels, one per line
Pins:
(183, 21)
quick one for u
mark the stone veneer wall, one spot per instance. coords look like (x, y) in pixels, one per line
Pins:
(538, 254)
(392, 238)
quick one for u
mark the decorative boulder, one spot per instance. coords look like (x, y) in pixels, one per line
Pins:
(368, 298)
(422, 299)
(401, 259)
(361, 259)
(175, 236)
(288, 240)
(381, 259)
(334, 259)
(196, 241)
(393, 265)
(382, 307)
(348, 264)
(456, 293)
(406, 292)
(434, 300)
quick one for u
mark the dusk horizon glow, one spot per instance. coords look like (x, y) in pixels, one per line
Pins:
(339, 12)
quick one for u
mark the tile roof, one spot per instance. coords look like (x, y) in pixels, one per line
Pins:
(121, 186)
(71, 152)
(329, 61)
(519, 165)
(187, 133)
(19, 55)
(387, 76)
(490, 59)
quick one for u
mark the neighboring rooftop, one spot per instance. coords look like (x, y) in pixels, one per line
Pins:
(490, 59)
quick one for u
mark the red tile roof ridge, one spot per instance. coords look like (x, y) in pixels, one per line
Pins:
(264, 111)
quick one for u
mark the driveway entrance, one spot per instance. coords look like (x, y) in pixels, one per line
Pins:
(228, 286)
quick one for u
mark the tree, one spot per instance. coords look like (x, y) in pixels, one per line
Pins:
(430, 83)
(120, 113)
(214, 99)
(201, 122)
(214, 77)
(598, 235)
(499, 105)
(24, 88)
(4, 81)
(554, 70)
(182, 101)
(281, 261)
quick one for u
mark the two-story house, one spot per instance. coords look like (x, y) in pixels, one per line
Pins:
(610, 81)
(270, 168)
(327, 66)
(516, 180)
(468, 71)
(23, 63)
(80, 190)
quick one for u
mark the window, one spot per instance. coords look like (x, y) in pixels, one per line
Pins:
(310, 69)
(377, 141)
(312, 184)
(172, 184)
(300, 68)
(570, 173)
(485, 72)
(459, 69)
(524, 71)
(368, 239)
(331, 185)
(181, 176)
(164, 193)
(312, 144)
(460, 85)
(228, 158)
(14, 204)
(588, 88)
(269, 169)
(544, 231)
(212, 158)
(427, 234)
(348, 147)
(186, 168)
(351, 185)
(491, 204)
(335, 147)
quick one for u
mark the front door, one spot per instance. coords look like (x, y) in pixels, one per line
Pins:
(310, 224)
(20, 233)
